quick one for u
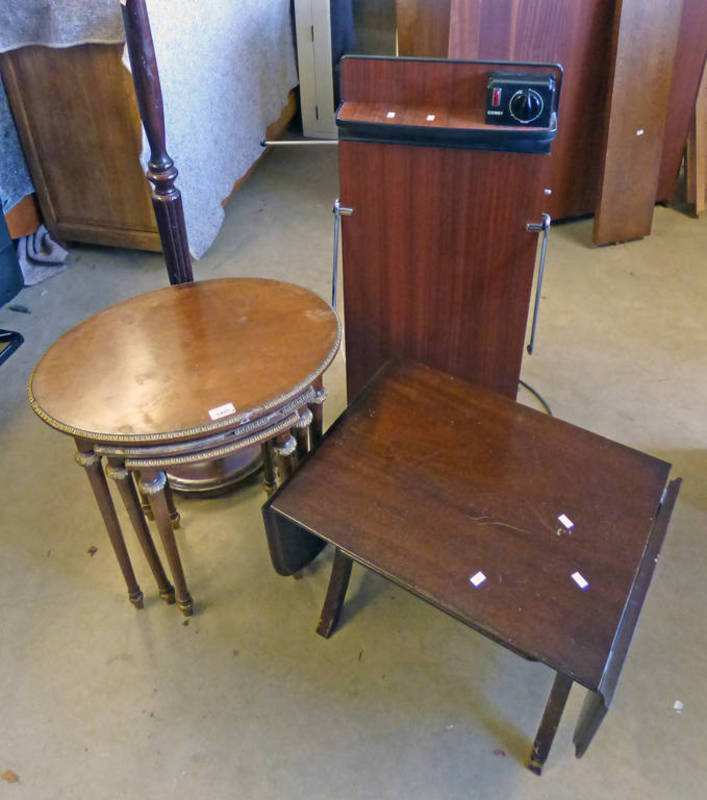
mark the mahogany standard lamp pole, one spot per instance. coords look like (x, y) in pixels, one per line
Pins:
(166, 198)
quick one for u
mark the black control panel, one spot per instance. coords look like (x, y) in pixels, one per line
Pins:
(520, 99)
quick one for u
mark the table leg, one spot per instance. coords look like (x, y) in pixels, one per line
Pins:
(126, 487)
(303, 431)
(92, 464)
(338, 584)
(317, 409)
(285, 456)
(551, 719)
(153, 483)
(144, 499)
(269, 481)
(174, 517)
(593, 712)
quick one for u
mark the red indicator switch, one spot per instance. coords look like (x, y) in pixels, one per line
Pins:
(496, 99)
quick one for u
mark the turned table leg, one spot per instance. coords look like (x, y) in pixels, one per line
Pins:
(126, 487)
(548, 725)
(92, 464)
(593, 712)
(153, 484)
(336, 592)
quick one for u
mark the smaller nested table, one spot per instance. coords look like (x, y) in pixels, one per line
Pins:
(185, 375)
(536, 533)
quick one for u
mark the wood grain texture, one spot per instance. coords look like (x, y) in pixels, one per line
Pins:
(158, 362)
(689, 61)
(457, 86)
(431, 479)
(574, 33)
(643, 53)
(423, 27)
(438, 263)
(79, 126)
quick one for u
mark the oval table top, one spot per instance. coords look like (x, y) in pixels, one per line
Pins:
(153, 367)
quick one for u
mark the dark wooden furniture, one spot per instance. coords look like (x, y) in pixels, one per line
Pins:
(578, 35)
(575, 33)
(161, 172)
(486, 509)
(437, 258)
(186, 375)
(644, 45)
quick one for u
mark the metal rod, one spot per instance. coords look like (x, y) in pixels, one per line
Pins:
(537, 227)
(338, 210)
(295, 142)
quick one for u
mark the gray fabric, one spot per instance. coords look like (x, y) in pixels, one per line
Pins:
(226, 67)
(59, 23)
(15, 181)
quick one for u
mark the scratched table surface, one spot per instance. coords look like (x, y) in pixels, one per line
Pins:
(431, 481)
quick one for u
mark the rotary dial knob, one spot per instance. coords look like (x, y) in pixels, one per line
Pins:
(526, 105)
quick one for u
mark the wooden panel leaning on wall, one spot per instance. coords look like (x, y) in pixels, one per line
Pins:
(79, 125)
(643, 54)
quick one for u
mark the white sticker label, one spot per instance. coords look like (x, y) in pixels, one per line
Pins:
(579, 579)
(477, 579)
(222, 411)
(391, 115)
(430, 117)
(566, 521)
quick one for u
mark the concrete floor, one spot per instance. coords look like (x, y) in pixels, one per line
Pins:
(100, 701)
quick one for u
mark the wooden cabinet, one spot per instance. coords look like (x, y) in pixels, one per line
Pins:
(78, 121)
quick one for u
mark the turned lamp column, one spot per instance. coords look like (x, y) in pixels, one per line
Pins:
(166, 198)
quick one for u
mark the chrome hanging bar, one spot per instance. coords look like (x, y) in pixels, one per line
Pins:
(544, 228)
(339, 211)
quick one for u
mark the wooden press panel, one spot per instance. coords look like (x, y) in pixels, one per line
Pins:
(458, 87)
(438, 263)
